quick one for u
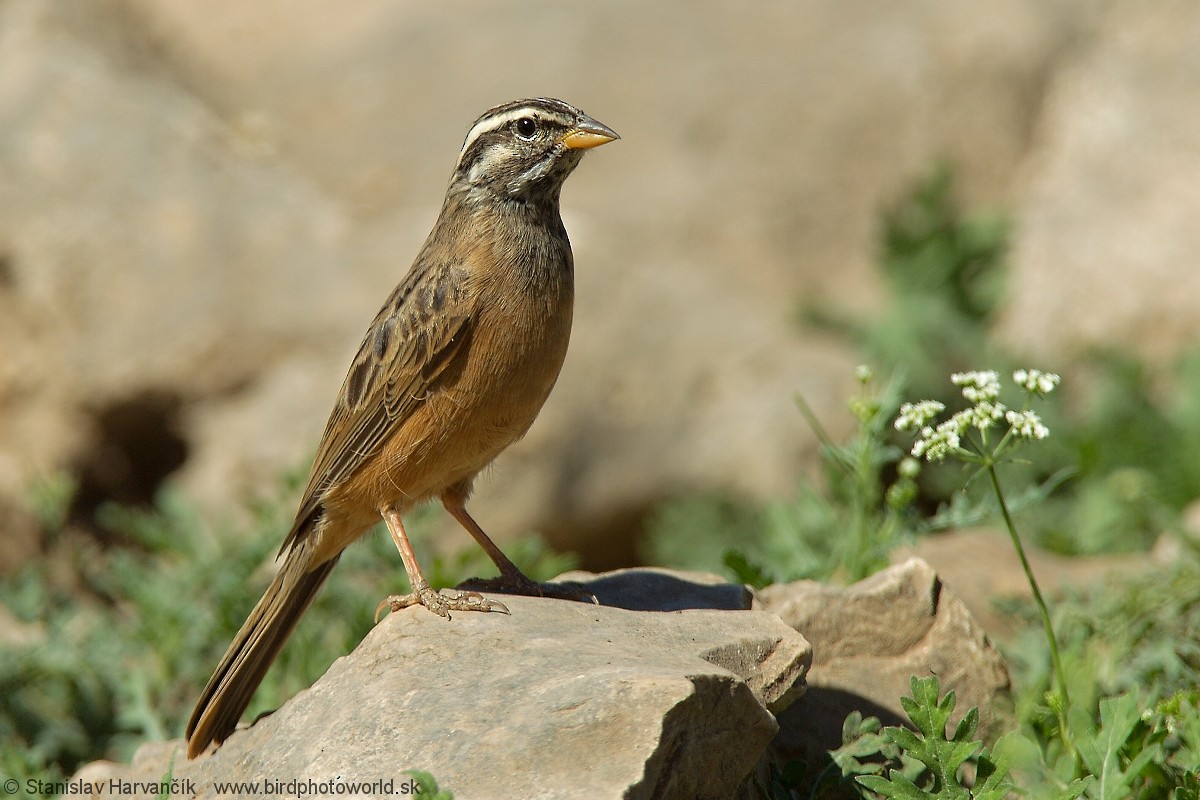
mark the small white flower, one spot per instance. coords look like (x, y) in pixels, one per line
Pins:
(1034, 380)
(978, 385)
(1027, 424)
(935, 445)
(959, 422)
(915, 415)
(983, 414)
(908, 468)
(864, 373)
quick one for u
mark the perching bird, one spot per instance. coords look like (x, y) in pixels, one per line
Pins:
(454, 369)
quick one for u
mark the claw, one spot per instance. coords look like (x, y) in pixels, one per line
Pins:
(440, 603)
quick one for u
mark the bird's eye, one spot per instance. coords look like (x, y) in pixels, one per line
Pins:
(526, 127)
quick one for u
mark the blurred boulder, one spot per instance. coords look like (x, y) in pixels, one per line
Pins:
(1107, 204)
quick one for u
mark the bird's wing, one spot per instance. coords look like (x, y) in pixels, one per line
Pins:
(416, 334)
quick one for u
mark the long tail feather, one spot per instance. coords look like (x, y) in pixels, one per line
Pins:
(256, 645)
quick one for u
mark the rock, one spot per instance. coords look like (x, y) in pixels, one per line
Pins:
(137, 288)
(868, 640)
(1108, 201)
(558, 700)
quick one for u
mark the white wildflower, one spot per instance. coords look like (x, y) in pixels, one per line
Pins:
(1034, 380)
(1026, 424)
(863, 373)
(982, 415)
(978, 385)
(914, 416)
(935, 445)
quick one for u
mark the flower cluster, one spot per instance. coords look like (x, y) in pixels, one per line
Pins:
(914, 416)
(978, 386)
(1036, 381)
(937, 443)
(1026, 425)
(982, 388)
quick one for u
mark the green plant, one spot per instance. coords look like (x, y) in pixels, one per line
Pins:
(1131, 436)
(1124, 755)
(429, 786)
(874, 514)
(124, 637)
(943, 757)
(790, 540)
(967, 436)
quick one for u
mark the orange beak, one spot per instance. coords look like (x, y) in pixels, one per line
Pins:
(588, 134)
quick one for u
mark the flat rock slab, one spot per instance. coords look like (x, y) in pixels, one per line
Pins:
(558, 700)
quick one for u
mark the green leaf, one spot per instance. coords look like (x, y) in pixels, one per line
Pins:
(991, 777)
(896, 786)
(429, 786)
(1075, 789)
(942, 757)
(966, 725)
(1102, 749)
(1189, 787)
(744, 570)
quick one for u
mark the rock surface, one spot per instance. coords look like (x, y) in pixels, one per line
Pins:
(868, 640)
(558, 700)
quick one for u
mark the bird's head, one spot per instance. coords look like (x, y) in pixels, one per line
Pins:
(524, 150)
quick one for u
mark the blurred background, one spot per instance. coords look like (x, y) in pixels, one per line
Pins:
(202, 205)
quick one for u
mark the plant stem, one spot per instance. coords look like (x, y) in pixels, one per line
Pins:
(1059, 673)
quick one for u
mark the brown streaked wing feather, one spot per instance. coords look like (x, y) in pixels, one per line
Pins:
(411, 341)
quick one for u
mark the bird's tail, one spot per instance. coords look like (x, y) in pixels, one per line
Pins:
(254, 648)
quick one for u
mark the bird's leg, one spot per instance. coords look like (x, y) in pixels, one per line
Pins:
(422, 593)
(511, 580)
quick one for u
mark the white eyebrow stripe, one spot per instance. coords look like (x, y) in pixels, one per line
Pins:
(539, 109)
(492, 123)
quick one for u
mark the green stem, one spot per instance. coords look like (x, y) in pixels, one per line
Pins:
(1059, 673)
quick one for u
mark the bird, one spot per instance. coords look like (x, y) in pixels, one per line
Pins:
(453, 369)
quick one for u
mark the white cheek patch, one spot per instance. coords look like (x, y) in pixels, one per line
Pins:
(489, 162)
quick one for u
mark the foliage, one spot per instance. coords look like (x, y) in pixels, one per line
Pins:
(429, 785)
(789, 540)
(1133, 752)
(943, 757)
(1123, 719)
(123, 637)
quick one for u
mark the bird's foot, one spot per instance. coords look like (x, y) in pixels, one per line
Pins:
(440, 603)
(517, 583)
